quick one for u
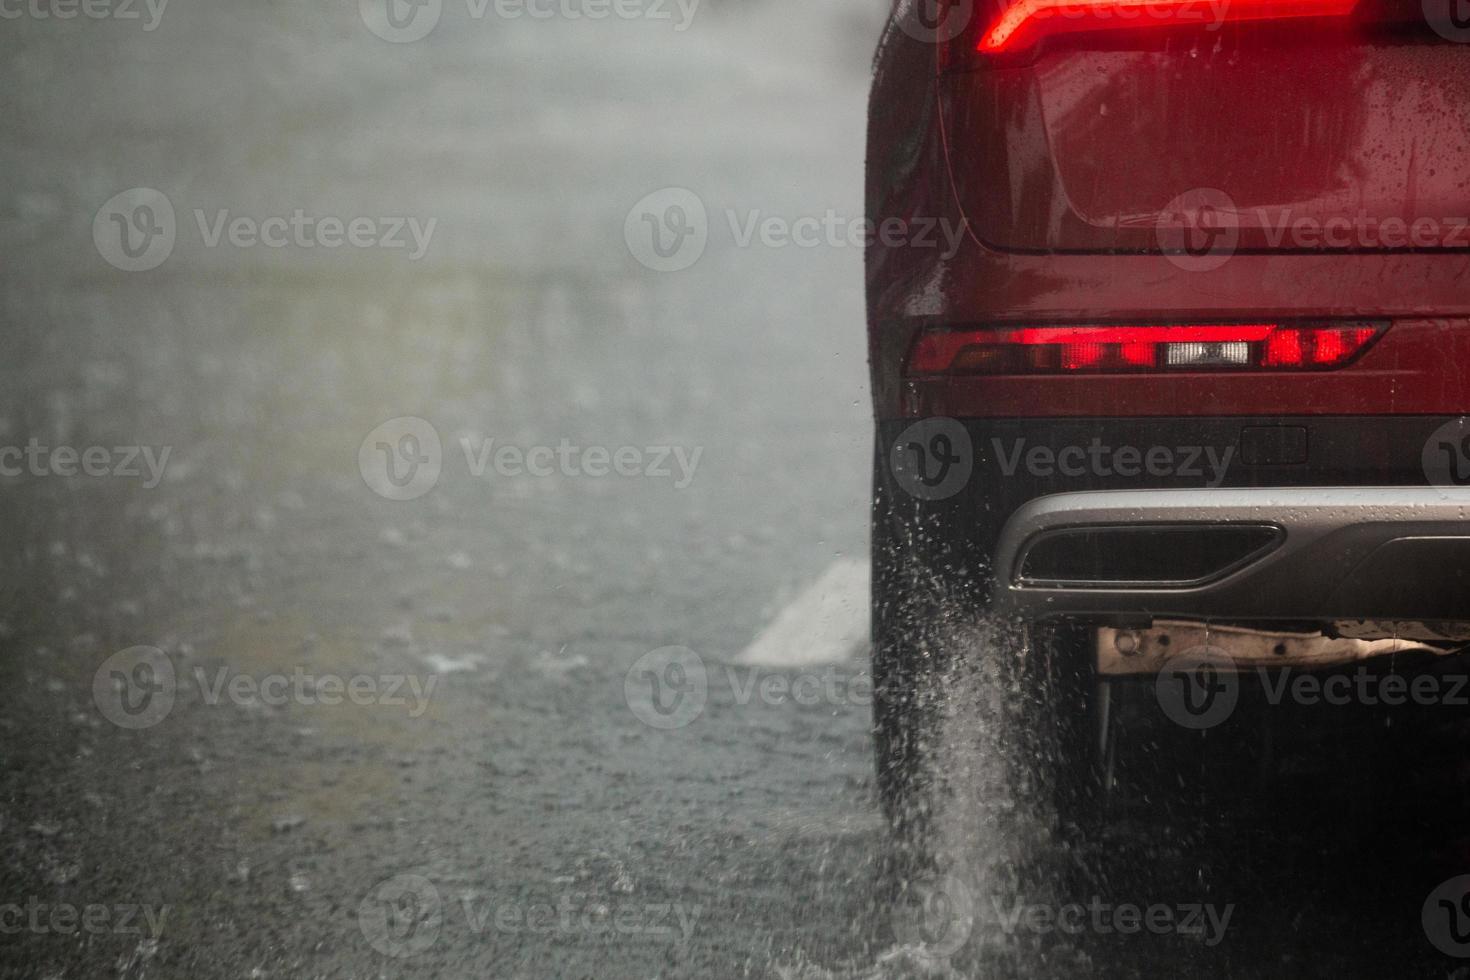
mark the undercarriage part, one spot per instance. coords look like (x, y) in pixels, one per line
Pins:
(1373, 629)
(1148, 651)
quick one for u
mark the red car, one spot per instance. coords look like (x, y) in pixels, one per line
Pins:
(1184, 394)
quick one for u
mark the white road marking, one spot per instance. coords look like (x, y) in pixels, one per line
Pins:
(827, 623)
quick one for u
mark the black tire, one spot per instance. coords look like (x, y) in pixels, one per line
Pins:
(1066, 724)
(917, 586)
(929, 605)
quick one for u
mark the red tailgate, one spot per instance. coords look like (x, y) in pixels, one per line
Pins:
(1308, 135)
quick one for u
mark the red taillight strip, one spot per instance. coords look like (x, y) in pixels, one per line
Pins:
(1025, 19)
(1045, 350)
(936, 351)
(1203, 333)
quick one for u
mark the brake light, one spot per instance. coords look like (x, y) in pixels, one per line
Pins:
(1298, 347)
(1023, 22)
(1114, 349)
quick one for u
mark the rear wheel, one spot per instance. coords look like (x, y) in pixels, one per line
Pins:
(1071, 723)
(944, 694)
(960, 697)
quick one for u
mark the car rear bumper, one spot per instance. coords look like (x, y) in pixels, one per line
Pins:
(1338, 552)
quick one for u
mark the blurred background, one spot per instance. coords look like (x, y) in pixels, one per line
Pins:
(182, 610)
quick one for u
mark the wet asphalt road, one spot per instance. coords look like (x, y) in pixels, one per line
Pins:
(422, 737)
(490, 765)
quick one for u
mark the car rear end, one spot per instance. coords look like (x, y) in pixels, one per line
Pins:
(1202, 354)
